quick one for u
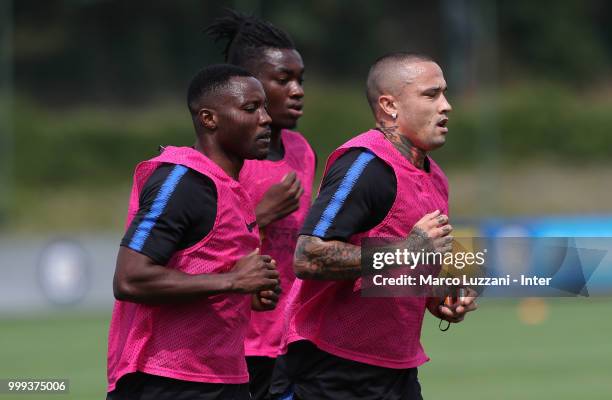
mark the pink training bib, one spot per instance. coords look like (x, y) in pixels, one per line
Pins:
(201, 341)
(378, 331)
(279, 238)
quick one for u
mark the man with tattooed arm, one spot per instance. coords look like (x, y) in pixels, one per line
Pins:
(381, 183)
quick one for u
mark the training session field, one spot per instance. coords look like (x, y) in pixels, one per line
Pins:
(543, 349)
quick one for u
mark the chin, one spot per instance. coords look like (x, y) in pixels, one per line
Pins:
(286, 124)
(437, 144)
(260, 155)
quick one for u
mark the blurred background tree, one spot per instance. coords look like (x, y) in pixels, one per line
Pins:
(97, 84)
(108, 50)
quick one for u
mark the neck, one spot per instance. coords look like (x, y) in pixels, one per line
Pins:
(228, 163)
(276, 152)
(412, 153)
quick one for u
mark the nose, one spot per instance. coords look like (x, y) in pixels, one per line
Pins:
(264, 117)
(296, 90)
(445, 106)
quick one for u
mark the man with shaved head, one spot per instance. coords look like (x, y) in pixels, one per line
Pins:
(189, 270)
(408, 81)
(381, 183)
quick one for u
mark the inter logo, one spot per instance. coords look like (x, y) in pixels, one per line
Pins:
(251, 226)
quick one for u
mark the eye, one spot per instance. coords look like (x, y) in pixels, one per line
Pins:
(251, 107)
(431, 93)
(283, 80)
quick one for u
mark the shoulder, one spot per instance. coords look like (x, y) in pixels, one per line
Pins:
(359, 161)
(359, 175)
(174, 178)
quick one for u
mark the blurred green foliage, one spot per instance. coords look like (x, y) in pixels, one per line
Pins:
(91, 146)
(93, 77)
(531, 121)
(100, 85)
(66, 51)
(569, 41)
(96, 147)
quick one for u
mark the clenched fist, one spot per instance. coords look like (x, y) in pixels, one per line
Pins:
(254, 273)
(432, 233)
(279, 200)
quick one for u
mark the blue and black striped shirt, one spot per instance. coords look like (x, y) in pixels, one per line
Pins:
(178, 207)
(356, 194)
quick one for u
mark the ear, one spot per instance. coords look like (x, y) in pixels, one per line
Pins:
(386, 102)
(208, 118)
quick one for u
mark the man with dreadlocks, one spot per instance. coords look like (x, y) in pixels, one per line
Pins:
(279, 186)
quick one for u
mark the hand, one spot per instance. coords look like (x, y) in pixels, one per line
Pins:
(266, 299)
(431, 233)
(456, 312)
(279, 200)
(254, 273)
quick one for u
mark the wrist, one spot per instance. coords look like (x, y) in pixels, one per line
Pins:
(231, 283)
(263, 220)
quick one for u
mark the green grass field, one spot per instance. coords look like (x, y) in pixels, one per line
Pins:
(491, 355)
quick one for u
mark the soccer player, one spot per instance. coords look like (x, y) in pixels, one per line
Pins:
(381, 183)
(189, 270)
(281, 185)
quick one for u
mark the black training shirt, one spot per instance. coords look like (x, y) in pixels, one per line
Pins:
(177, 219)
(356, 194)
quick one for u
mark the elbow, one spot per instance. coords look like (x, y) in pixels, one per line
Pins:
(132, 273)
(124, 291)
(120, 291)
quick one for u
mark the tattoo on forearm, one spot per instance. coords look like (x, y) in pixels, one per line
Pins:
(334, 260)
(327, 260)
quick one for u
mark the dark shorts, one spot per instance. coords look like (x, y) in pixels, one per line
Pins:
(141, 386)
(260, 373)
(312, 374)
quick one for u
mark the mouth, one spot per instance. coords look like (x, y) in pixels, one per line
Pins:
(295, 109)
(264, 137)
(442, 124)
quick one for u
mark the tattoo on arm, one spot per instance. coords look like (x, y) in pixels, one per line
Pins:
(326, 260)
(335, 260)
